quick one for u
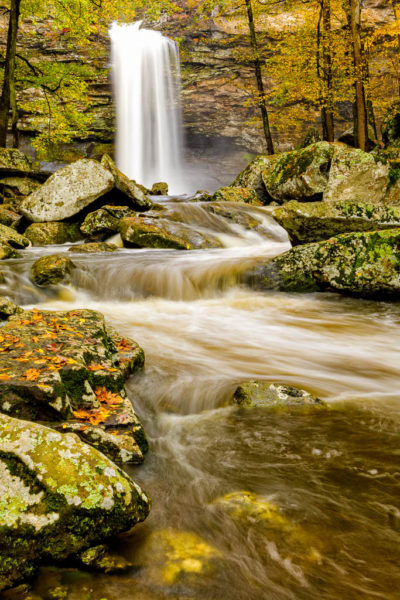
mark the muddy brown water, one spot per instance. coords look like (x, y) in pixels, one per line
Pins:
(328, 480)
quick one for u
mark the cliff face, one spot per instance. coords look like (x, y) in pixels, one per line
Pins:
(215, 80)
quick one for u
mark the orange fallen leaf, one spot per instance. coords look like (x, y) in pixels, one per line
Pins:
(31, 374)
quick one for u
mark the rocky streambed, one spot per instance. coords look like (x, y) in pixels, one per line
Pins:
(271, 415)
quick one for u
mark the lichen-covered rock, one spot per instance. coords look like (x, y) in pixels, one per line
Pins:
(68, 366)
(6, 251)
(54, 232)
(159, 189)
(162, 233)
(9, 217)
(105, 220)
(93, 247)
(300, 174)
(50, 270)
(251, 176)
(58, 497)
(237, 194)
(253, 394)
(356, 176)
(361, 264)
(68, 191)
(15, 187)
(316, 221)
(100, 558)
(10, 237)
(138, 199)
(8, 308)
(14, 160)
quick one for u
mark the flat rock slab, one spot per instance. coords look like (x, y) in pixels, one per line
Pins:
(68, 191)
(68, 367)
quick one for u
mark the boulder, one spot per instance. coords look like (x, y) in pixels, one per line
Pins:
(93, 247)
(68, 191)
(159, 189)
(58, 497)
(9, 217)
(361, 264)
(316, 221)
(162, 233)
(251, 176)
(356, 176)
(348, 138)
(11, 238)
(255, 394)
(6, 251)
(54, 232)
(138, 198)
(300, 174)
(105, 220)
(8, 308)
(18, 186)
(14, 160)
(236, 194)
(50, 270)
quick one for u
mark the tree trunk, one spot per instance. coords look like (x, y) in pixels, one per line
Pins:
(353, 11)
(7, 99)
(327, 111)
(396, 12)
(258, 72)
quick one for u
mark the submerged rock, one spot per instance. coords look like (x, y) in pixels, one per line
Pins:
(100, 558)
(50, 270)
(68, 191)
(105, 221)
(251, 176)
(235, 214)
(159, 189)
(236, 194)
(93, 247)
(316, 221)
(162, 233)
(58, 496)
(252, 394)
(139, 200)
(362, 264)
(54, 232)
(300, 174)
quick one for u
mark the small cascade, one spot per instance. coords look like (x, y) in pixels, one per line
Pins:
(146, 77)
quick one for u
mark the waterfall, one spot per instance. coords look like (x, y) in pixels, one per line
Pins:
(146, 78)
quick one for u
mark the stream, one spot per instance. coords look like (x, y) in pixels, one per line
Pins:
(332, 475)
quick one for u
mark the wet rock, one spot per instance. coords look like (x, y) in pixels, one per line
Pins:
(68, 367)
(251, 176)
(10, 237)
(356, 176)
(361, 264)
(9, 217)
(100, 558)
(68, 191)
(174, 557)
(14, 160)
(105, 221)
(159, 189)
(93, 247)
(234, 214)
(162, 233)
(58, 497)
(236, 194)
(127, 187)
(300, 174)
(54, 232)
(316, 221)
(50, 270)
(253, 394)
(6, 251)
(8, 308)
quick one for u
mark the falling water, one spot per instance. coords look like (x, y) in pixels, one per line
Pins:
(146, 75)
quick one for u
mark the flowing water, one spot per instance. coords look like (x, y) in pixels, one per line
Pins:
(146, 77)
(327, 482)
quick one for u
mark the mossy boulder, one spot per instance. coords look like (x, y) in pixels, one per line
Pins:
(300, 174)
(316, 221)
(54, 232)
(138, 198)
(12, 159)
(10, 237)
(105, 221)
(236, 194)
(255, 394)
(162, 233)
(93, 248)
(356, 176)
(251, 176)
(58, 497)
(50, 270)
(8, 308)
(9, 217)
(68, 191)
(361, 264)
(6, 251)
(159, 189)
